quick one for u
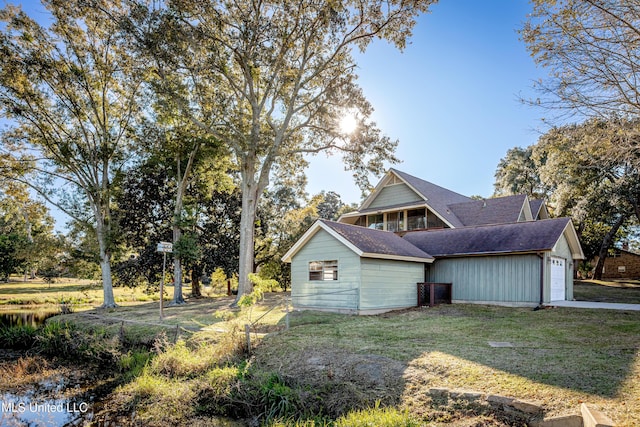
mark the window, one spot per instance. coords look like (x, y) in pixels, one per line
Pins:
(434, 222)
(416, 219)
(395, 221)
(376, 221)
(323, 270)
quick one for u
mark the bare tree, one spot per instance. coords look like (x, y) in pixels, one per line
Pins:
(590, 48)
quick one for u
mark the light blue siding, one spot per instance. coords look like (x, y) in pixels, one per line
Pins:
(341, 294)
(394, 195)
(509, 279)
(388, 284)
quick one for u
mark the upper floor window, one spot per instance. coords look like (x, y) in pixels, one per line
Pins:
(395, 221)
(416, 219)
(376, 221)
(323, 270)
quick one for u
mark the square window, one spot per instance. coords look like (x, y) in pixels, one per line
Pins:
(323, 270)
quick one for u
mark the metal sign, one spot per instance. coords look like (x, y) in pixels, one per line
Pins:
(165, 247)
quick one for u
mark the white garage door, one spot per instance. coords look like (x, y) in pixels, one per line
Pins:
(558, 277)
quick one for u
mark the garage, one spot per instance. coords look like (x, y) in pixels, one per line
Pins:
(558, 278)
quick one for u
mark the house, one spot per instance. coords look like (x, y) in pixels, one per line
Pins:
(503, 250)
(621, 264)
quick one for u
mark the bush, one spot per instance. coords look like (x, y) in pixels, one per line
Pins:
(66, 340)
(17, 337)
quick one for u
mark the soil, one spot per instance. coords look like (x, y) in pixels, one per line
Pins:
(355, 381)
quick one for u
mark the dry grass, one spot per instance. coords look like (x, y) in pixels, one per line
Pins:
(559, 358)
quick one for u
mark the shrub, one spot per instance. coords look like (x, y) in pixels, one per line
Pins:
(17, 337)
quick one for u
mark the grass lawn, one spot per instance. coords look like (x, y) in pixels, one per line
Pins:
(620, 291)
(558, 357)
(80, 293)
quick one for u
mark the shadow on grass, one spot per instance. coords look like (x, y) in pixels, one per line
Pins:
(586, 351)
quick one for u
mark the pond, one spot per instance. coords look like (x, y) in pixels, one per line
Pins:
(26, 317)
(41, 405)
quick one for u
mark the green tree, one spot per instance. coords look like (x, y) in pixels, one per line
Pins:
(517, 173)
(271, 80)
(21, 215)
(210, 220)
(71, 90)
(591, 177)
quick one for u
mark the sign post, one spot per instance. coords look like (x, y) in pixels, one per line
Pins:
(164, 247)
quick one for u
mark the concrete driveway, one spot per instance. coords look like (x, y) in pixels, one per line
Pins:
(600, 305)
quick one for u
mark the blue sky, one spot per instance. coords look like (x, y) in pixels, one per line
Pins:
(451, 98)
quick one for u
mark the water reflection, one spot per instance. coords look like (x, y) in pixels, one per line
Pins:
(26, 318)
(32, 407)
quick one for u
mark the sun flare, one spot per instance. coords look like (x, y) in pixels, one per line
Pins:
(348, 123)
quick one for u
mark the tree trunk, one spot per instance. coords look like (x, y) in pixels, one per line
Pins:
(247, 243)
(606, 244)
(177, 266)
(250, 192)
(195, 282)
(102, 230)
(182, 180)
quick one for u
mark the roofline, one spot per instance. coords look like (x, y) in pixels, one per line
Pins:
(382, 184)
(397, 257)
(315, 227)
(470, 254)
(573, 238)
(319, 224)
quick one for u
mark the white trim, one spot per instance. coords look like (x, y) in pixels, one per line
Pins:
(526, 207)
(397, 257)
(572, 240)
(383, 183)
(320, 225)
(312, 232)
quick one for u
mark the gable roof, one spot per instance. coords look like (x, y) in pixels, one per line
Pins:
(365, 242)
(436, 198)
(539, 209)
(529, 236)
(499, 210)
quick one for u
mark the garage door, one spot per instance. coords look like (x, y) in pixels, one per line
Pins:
(558, 278)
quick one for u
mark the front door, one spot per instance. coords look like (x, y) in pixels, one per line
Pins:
(558, 279)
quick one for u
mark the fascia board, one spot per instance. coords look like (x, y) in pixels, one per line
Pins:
(301, 242)
(312, 232)
(397, 257)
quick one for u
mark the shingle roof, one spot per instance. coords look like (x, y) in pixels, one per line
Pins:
(530, 236)
(499, 210)
(438, 198)
(379, 242)
(535, 205)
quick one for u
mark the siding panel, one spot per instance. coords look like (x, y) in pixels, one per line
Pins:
(341, 294)
(389, 284)
(506, 279)
(395, 195)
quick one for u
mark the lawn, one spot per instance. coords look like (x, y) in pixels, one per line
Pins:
(559, 358)
(621, 291)
(80, 293)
